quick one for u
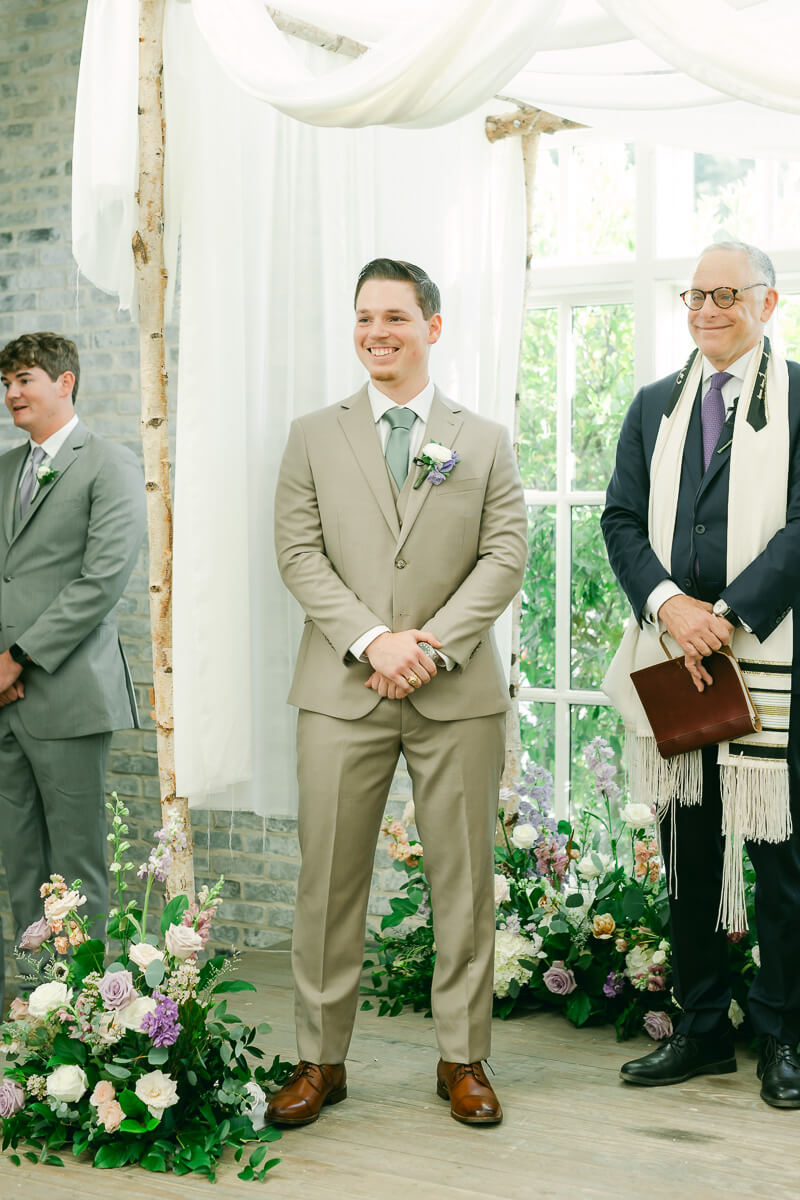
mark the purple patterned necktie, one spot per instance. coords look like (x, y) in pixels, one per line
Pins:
(713, 415)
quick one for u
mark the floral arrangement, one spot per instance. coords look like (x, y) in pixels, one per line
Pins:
(124, 1050)
(582, 913)
(439, 461)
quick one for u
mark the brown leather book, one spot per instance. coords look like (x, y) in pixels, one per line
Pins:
(684, 719)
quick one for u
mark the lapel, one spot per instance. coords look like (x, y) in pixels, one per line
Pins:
(443, 425)
(14, 461)
(358, 426)
(61, 463)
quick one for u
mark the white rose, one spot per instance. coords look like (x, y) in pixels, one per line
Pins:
(436, 452)
(142, 953)
(756, 952)
(659, 956)
(58, 907)
(256, 1104)
(593, 865)
(158, 1091)
(502, 891)
(133, 1013)
(67, 1083)
(638, 816)
(183, 942)
(523, 836)
(47, 997)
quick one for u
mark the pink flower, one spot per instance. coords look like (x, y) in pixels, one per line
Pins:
(116, 989)
(559, 980)
(12, 1098)
(103, 1093)
(658, 1025)
(110, 1115)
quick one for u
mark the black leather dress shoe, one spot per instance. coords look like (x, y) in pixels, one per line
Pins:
(779, 1072)
(679, 1058)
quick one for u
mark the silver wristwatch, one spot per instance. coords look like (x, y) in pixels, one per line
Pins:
(428, 649)
(721, 608)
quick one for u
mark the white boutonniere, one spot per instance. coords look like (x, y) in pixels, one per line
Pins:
(46, 475)
(439, 460)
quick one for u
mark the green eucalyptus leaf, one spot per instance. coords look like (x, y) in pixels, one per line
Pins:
(154, 973)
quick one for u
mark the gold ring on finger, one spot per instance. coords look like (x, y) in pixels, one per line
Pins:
(414, 680)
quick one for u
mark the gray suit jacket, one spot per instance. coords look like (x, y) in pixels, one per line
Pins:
(62, 570)
(453, 566)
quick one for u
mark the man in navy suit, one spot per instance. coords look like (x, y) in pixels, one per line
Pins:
(699, 603)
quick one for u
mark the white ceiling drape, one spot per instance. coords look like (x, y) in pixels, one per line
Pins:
(277, 214)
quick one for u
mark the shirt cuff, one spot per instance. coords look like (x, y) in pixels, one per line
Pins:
(358, 647)
(662, 592)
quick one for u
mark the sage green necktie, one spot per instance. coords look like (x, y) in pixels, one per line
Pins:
(398, 444)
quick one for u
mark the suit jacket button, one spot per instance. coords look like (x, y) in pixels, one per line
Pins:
(400, 563)
(699, 528)
(687, 583)
(6, 579)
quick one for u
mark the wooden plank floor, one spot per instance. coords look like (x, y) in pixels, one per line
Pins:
(571, 1128)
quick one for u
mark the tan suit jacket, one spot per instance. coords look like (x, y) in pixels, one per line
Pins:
(453, 566)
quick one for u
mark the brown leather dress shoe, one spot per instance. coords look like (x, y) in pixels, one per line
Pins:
(471, 1096)
(308, 1088)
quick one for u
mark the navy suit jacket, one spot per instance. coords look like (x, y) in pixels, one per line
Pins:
(763, 593)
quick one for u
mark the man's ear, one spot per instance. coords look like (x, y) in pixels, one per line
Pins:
(66, 382)
(434, 329)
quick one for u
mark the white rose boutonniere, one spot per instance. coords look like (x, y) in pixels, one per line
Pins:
(46, 475)
(439, 460)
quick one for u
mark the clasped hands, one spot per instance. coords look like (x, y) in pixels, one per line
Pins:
(399, 666)
(698, 632)
(11, 686)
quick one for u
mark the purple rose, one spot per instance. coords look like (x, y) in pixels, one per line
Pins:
(35, 935)
(116, 989)
(12, 1098)
(559, 980)
(658, 1025)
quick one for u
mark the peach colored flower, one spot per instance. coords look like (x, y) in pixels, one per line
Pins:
(18, 1009)
(603, 926)
(103, 1093)
(61, 944)
(56, 925)
(110, 1115)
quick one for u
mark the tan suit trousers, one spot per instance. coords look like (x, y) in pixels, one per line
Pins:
(345, 769)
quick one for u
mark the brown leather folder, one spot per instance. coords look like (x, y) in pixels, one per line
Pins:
(684, 719)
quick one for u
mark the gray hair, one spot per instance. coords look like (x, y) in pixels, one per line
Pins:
(760, 263)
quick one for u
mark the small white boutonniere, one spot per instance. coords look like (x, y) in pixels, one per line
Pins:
(46, 475)
(439, 460)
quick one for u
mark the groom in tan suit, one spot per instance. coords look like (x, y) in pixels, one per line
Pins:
(400, 586)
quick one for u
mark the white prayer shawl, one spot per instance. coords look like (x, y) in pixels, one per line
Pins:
(754, 778)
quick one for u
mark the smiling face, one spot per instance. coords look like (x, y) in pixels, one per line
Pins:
(393, 338)
(38, 404)
(725, 334)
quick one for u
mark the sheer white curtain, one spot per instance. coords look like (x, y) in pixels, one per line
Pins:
(277, 218)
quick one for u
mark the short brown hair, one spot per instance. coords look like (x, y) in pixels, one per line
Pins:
(425, 289)
(50, 351)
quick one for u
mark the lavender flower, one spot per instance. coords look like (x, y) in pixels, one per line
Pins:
(169, 841)
(658, 1025)
(116, 989)
(614, 984)
(162, 1025)
(35, 935)
(559, 980)
(12, 1098)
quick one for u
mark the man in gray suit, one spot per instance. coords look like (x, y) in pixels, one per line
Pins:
(401, 572)
(72, 517)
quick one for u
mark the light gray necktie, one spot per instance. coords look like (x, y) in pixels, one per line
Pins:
(29, 481)
(398, 443)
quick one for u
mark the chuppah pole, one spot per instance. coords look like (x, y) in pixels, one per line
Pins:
(148, 253)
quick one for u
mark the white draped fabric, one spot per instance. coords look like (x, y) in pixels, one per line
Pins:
(276, 213)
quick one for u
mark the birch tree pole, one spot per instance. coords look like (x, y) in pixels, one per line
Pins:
(148, 253)
(528, 124)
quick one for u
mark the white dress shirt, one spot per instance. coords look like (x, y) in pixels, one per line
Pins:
(381, 404)
(731, 390)
(51, 447)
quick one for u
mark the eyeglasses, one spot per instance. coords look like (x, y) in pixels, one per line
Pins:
(723, 297)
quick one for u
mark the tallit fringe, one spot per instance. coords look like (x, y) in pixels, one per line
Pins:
(657, 780)
(755, 807)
